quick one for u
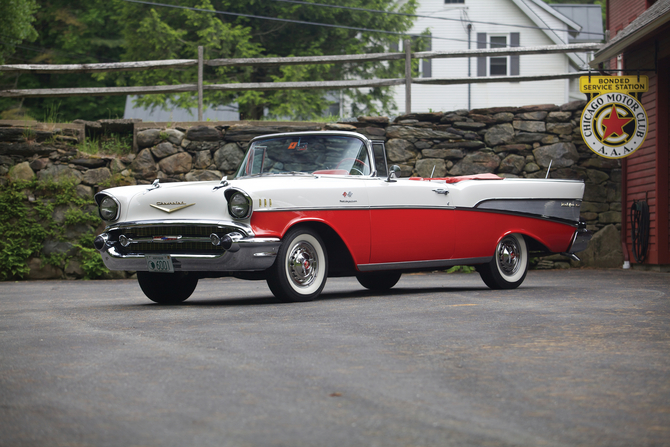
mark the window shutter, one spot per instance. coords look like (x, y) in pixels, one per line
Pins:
(514, 60)
(427, 64)
(481, 61)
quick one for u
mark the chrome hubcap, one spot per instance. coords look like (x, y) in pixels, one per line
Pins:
(509, 256)
(303, 264)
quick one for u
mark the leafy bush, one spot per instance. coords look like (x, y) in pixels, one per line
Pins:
(91, 261)
(26, 221)
(21, 235)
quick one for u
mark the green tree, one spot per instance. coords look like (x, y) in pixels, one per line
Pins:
(90, 31)
(171, 33)
(161, 32)
(16, 18)
(68, 32)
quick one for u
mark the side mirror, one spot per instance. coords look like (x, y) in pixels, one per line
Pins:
(394, 172)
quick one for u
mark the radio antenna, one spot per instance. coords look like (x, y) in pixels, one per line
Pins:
(549, 168)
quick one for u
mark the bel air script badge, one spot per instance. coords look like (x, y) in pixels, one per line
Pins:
(161, 206)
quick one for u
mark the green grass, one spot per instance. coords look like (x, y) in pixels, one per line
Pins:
(51, 113)
(112, 144)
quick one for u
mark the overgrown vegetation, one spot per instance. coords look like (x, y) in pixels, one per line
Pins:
(27, 210)
(112, 144)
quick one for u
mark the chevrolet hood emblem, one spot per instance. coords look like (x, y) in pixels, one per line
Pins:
(170, 210)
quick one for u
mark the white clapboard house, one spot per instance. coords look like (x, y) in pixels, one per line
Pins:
(470, 24)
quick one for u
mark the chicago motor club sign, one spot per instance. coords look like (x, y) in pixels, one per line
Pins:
(614, 123)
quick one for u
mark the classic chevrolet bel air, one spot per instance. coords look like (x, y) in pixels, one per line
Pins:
(309, 205)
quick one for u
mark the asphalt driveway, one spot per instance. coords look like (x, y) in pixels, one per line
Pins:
(578, 357)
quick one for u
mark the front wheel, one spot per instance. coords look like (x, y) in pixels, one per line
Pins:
(167, 288)
(301, 268)
(378, 280)
(509, 265)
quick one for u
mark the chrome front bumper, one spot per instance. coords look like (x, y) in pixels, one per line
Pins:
(243, 251)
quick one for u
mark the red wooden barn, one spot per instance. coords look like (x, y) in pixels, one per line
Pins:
(640, 40)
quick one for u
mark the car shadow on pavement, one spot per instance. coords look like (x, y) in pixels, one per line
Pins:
(266, 299)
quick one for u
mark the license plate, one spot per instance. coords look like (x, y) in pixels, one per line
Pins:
(160, 263)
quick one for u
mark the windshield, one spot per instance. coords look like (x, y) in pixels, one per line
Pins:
(308, 154)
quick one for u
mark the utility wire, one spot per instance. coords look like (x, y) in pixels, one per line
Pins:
(277, 19)
(47, 50)
(377, 11)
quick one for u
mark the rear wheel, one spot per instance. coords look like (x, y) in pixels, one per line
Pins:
(301, 268)
(378, 280)
(167, 288)
(509, 265)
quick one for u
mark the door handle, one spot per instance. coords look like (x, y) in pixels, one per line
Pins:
(441, 191)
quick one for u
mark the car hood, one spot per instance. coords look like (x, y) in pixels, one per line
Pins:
(170, 201)
(206, 200)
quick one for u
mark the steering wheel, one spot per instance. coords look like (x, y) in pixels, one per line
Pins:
(356, 160)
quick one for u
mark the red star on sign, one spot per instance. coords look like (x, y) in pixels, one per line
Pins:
(614, 124)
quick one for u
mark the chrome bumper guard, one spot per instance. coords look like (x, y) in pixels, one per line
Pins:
(580, 241)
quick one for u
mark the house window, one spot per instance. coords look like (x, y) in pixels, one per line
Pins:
(497, 65)
(448, 2)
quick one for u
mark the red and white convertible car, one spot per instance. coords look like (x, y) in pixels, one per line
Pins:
(309, 205)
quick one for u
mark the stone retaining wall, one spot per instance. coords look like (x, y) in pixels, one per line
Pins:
(508, 141)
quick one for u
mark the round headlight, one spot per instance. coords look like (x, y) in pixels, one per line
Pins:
(109, 209)
(239, 205)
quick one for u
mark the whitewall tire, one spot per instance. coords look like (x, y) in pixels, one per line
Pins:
(301, 268)
(509, 266)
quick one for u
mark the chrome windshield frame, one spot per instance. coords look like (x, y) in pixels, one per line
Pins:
(366, 142)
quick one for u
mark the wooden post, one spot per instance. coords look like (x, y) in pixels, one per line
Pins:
(408, 76)
(200, 64)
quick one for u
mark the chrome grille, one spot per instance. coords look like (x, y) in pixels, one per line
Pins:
(173, 230)
(176, 247)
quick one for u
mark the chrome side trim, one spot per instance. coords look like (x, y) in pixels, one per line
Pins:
(362, 208)
(520, 214)
(419, 265)
(323, 208)
(265, 254)
(556, 208)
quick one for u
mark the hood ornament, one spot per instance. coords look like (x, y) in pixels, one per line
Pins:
(170, 210)
(154, 185)
(222, 184)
